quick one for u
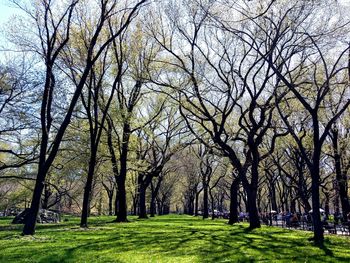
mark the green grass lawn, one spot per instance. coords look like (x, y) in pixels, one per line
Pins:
(164, 239)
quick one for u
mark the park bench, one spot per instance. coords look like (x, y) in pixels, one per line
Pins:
(331, 228)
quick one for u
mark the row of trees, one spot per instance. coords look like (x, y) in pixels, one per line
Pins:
(227, 100)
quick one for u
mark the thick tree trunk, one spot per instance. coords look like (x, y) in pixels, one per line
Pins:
(116, 202)
(191, 205)
(29, 226)
(166, 209)
(153, 206)
(196, 203)
(47, 194)
(205, 201)
(316, 215)
(122, 208)
(234, 201)
(254, 220)
(315, 183)
(160, 210)
(44, 164)
(121, 196)
(252, 191)
(142, 201)
(154, 195)
(88, 188)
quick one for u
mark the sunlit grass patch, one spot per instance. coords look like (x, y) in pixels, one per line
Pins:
(172, 238)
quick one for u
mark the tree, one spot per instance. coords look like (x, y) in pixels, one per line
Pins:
(339, 141)
(96, 106)
(156, 150)
(54, 24)
(16, 96)
(310, 82)
(226, 93)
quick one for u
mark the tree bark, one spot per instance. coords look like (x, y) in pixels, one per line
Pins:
(273, 197)
(234, 201)
(252, 189)
(315, 184)
(205, 201)
(110, 203)
(341, 177)
(254, 220)
(88, 188)
(154, 194)
(121, 196)
(196, 204)
(29, 226)
(316, 215)
(142, 200)
(121, 200)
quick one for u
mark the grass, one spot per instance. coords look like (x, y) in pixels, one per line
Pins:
(170, 238)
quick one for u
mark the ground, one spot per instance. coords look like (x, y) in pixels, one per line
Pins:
(172, 238)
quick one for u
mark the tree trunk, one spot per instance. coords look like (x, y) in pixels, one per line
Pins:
(47, 194)
(134, 205)
(273, 197)
(340, 177)
(154, 195)
(234, 201)
(302, 187)
(254, 221)
(114, 162)
(293, 205)
(252, 190)
(88, 188)
(29, 226)
(142, 200)
(196, 203)
(205, 201)
(116, 202)
(121, 196)
(326, 204)
(153, 206)
(110, 204)
(191, 205)
(212, 204)
(160, 210)
(316, 215)
(121, 199)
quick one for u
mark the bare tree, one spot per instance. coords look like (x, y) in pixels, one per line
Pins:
(298, 55)
(54, 26)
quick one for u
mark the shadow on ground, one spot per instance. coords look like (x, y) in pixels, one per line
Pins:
(171, 239)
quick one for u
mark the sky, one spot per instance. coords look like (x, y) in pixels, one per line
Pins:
(6, 11)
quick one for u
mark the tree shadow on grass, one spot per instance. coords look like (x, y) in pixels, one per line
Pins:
(172, 239)
(323, 246)
(214, 247)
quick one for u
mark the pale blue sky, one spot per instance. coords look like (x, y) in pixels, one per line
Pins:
(6, 11)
